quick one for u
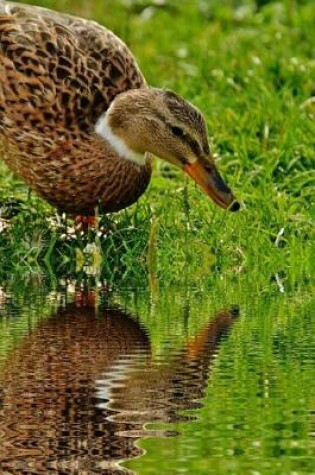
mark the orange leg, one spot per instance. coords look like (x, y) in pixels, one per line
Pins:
(84, 223)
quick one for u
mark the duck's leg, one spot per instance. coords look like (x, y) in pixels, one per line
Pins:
(85, 223)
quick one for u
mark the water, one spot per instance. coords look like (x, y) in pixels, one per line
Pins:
(212, 381)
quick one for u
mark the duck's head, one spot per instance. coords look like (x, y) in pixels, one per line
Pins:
(162, 123)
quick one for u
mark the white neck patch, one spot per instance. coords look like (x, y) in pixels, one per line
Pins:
(103, 129)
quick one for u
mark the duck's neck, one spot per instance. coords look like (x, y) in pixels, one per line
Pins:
(104, 130)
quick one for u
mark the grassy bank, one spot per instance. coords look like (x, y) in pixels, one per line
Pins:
(251, 70)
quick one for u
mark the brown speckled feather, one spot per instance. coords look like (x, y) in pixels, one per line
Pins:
(58, 74)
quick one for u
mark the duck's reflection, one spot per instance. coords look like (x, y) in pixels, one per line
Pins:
(77, 392)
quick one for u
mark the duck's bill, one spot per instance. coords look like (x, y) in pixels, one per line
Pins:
(208, 178)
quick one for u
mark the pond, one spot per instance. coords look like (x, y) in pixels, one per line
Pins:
(206, 380)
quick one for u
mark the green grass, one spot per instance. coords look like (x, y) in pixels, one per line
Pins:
(174, 260)
(249, 66)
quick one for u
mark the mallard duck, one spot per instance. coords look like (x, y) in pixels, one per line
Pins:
(79, 123)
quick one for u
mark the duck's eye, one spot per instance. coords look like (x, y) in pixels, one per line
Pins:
(177, 131)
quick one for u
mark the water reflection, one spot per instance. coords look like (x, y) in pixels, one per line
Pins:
(78, 391)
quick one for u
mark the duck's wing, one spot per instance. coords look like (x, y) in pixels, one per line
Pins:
(58, 70)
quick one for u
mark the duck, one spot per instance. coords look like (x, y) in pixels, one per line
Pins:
(80, 125)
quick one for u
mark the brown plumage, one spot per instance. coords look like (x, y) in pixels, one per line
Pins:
(59, 75)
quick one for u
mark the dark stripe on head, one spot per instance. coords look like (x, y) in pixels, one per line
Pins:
(191, 118)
